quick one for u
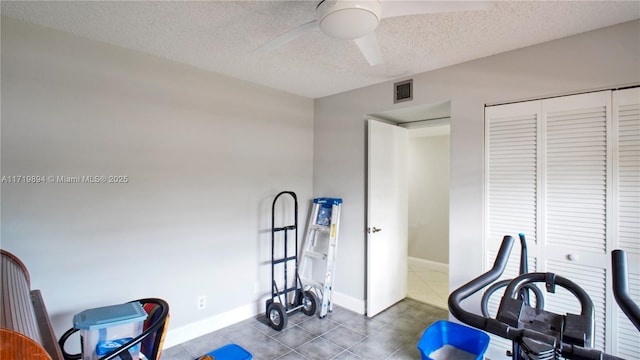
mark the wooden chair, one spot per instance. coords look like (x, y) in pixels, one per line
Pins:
(14, 346)
(22, 312)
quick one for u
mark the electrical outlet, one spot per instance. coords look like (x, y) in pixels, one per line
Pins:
(202, 302)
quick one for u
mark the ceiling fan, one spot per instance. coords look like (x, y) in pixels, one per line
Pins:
(357, 20)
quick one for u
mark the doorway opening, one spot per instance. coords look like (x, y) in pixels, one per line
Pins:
(428, 154)
(428, 228)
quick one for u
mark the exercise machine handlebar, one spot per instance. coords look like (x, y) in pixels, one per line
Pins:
(621, 287)
(475, 285)
(583, 298)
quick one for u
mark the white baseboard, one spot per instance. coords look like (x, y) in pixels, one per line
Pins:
(348, 302)
(191, 331)
(437, 266)
(205, 326)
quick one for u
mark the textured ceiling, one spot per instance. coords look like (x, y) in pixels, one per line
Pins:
(223, 36)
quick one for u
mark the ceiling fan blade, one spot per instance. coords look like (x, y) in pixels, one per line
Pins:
(288, 37)
(368, 45)
(394, 8)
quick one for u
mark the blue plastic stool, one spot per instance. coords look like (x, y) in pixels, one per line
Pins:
(230, 352)
(443, 332)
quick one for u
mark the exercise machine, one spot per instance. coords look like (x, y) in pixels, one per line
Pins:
(540, 334)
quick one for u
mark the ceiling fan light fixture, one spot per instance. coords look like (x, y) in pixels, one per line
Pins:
(348, 19)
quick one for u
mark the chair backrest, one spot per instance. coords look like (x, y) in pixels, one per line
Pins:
(158, 313)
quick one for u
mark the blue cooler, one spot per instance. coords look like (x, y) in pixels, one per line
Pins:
(448, 340)
(105, 329)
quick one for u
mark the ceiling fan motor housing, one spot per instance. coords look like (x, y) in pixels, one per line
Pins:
(348, 19)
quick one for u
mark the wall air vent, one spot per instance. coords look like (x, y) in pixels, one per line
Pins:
(403, 91)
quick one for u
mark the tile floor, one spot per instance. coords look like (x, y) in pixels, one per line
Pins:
(393, 334)
(427, 285)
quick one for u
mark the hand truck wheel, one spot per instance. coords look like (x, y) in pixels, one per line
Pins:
(309, 303)
(277, 316)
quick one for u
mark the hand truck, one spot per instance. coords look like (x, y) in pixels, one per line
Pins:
(287, 299)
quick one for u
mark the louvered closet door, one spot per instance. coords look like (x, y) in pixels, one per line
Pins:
(581, 202)
(511, 143)
(511, 176)
(626, 125)
(576, 199)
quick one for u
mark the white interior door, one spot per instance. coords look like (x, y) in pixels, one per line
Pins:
(387, 218)
(626, 127)
(577, 196)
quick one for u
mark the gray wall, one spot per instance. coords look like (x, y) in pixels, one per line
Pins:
(601, 58)
(429, 198)
(204, 154)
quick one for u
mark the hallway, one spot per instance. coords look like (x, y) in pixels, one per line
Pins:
(427, 285)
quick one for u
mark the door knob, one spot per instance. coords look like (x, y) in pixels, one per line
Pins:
(375, 229)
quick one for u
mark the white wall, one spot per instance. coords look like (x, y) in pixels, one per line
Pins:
(429, 198)
(605, 57)
(204, 154)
